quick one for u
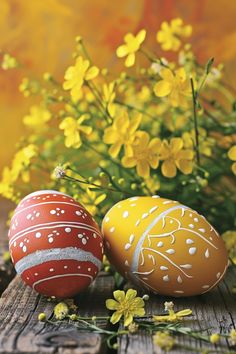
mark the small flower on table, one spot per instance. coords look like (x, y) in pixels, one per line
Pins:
(127, 305)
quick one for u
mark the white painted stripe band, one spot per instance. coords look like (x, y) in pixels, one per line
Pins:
(55, 254)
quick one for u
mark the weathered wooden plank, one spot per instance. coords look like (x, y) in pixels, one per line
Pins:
(21, 332)
(7, 271)
(215, 311)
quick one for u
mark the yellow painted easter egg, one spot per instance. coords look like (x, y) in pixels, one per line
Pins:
(164, 246)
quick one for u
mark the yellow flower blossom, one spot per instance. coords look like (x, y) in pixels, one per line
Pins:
(130, 47)
(170, 34)
(37, 118)
(28, 87)
(61, 310)
(175, 157)
(108, 97)
(232, 156)
(232, 337)
(224, 141)
(144, 94)
(205, 143)
(133, 328)
(21, 162)
(91, 199)
(125, 304)
(172, 316)
(9, 62)
(229, 238)
(163, 340)
(175, 122)
(174, 85)
(144, 154)
(6, 257)
(6, 183)
(77, 74)
(153, 183)
(72, 130)
(122, 132)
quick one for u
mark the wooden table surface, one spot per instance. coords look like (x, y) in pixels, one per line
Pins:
(21, 332)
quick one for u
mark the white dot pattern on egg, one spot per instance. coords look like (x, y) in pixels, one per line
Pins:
(56, 245)
(175, 250)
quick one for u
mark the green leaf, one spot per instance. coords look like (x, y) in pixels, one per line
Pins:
(118, 279)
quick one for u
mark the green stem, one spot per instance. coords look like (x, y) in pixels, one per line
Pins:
(100, 104)
(152, 59)
(107, 157)
(135, 108)
(89, 183)
(95, 184)
(194, 98)
(85, 51)
(97, 318)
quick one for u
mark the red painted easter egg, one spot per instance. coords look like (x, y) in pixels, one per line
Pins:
(55, 244)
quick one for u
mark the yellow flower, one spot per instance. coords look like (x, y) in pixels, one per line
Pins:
(105, 261)
(6, 257)
(108, 97)
(133, 327)
(174, 156)
(163, 340)
(61, 310)
(72, 130)
(125, 304)
(174, 85)
(175, 121)
(144, 154)
(172, 316)
(6, 184)
(232, 337)
(9, 62)
(28, 87)
(144, 94)
(131, 46)
(37, 118)
(229, 238)
(224, 141)
(205, 143)
(91, 199)
(77, 74)
(232, 156)
(214, 338)
(22, 161)
(122, 132)
(153, 183)
(170, 34)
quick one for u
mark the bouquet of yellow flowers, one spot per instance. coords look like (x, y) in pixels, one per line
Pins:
(161, 126)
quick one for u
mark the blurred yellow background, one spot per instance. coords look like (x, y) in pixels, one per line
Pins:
(41, 36)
